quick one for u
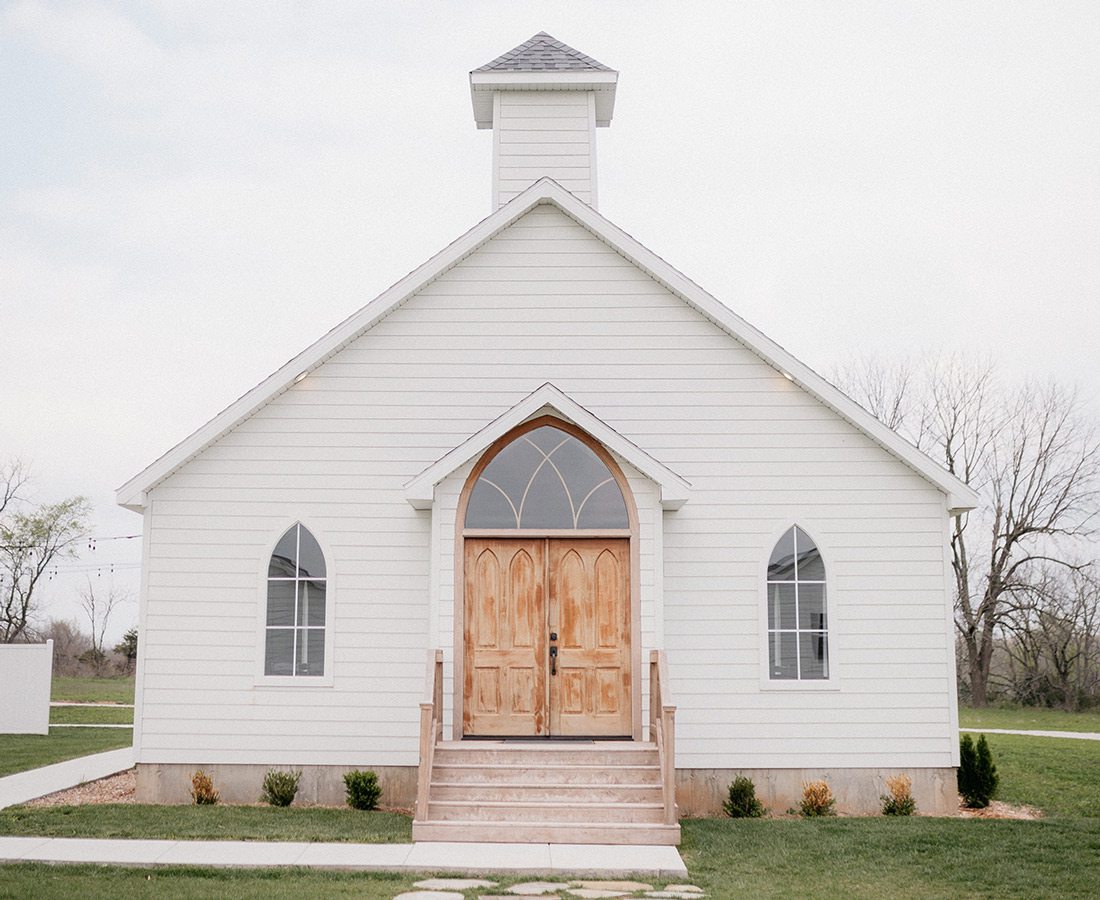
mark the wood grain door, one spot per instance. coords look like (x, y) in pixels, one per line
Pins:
(589, 610)
(518, 593)
(506, 638)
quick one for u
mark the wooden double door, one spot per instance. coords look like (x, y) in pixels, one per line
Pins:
(547, 634)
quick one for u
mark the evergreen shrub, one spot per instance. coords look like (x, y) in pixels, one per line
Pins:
(742, 802)
(280, 787)
(977, 773)
(363, 789)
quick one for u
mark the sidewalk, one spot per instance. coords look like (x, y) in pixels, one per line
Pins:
(526, 859)
(1078, 735)
(24, 786)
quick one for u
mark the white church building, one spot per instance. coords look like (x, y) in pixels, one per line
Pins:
(548, 537)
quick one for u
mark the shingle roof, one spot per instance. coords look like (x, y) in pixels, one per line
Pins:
(542, 53)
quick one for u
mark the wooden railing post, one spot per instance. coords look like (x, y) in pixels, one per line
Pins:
(662, 718)
(431, 729)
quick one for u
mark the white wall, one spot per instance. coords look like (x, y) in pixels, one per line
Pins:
(26, 671)
(546, 301)
(544, 133)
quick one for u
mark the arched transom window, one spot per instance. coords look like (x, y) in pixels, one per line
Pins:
(547, 478)
(296, 601)
(798, 628)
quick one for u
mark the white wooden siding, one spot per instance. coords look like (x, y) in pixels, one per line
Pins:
(337, 448)
(539, 134)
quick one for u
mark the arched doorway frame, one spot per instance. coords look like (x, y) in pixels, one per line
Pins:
(631, 533)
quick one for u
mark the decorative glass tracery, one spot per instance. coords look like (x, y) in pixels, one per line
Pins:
(547, 479)
(798, 627)
(296, 581)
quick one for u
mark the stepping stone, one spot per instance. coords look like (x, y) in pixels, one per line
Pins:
(594, 893)
(537, 888)
(685, 888)
(677, 895)
(429, 895)
(454, 884)
(628, 886)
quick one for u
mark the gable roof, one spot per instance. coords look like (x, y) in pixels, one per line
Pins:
(420, 492)
(132, 495)
(543, 53)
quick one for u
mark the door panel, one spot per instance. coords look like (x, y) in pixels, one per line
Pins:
(589, 608)
(506, 650)
(519, 591)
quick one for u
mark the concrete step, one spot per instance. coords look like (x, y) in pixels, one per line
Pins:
(488, 773)
(546, 833)
(611, 754)
(546, 792)
(543, 811)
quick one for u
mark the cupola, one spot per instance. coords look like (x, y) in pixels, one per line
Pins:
(544, 101)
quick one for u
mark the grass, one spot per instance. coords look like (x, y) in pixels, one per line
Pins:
(119, 689)
(241, 823)
(19, 752)
(1060, 776)
(91, 715)
(1058, 856)
(908, 857)
(1029, 718)
(66, 882)
(826, 858)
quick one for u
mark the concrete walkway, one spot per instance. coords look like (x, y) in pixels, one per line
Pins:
(1078, 735)
(24, 786)
(526, 859)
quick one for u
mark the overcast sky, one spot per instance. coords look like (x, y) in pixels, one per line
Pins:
(191, 193)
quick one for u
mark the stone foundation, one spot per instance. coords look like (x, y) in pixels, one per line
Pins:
(700, 792)
(237, 783)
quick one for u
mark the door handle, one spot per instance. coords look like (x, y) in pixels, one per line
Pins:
(553, 660)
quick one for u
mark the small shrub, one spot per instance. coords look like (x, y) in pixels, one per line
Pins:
(817, 800)
(363, 789)
(898, 801)
(977, 774)
(742, 802)
(280, 787)
(202, 789)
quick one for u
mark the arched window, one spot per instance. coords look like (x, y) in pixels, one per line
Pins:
(547, 478)
(296, 606)
(798, 627)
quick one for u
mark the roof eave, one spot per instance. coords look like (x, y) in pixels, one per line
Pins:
(484, 84)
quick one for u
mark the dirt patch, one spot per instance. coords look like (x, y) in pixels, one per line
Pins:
(999, 810)
(118, 788)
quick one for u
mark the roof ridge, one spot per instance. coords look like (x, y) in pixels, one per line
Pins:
(543, 52)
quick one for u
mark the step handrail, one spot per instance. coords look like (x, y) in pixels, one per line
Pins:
(431, 728)
(662, 729)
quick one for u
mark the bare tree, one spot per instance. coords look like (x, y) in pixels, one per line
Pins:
(70, 644)
(886, 390)
(13, 475)
(1051, 640)
(98, 608)
(32, 538)
(1035, 459)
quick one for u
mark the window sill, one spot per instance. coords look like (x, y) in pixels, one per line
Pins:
(769, 684)
(293, 681)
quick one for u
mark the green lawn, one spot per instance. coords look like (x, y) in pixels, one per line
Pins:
(245, 823)
(91, 715)
(858, 858)
(1061, 776)
(19, 752)
(1029, 718)
(93, 690)
(1058, 856)
(874, 858)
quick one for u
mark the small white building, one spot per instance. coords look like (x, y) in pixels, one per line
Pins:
(549, 459)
